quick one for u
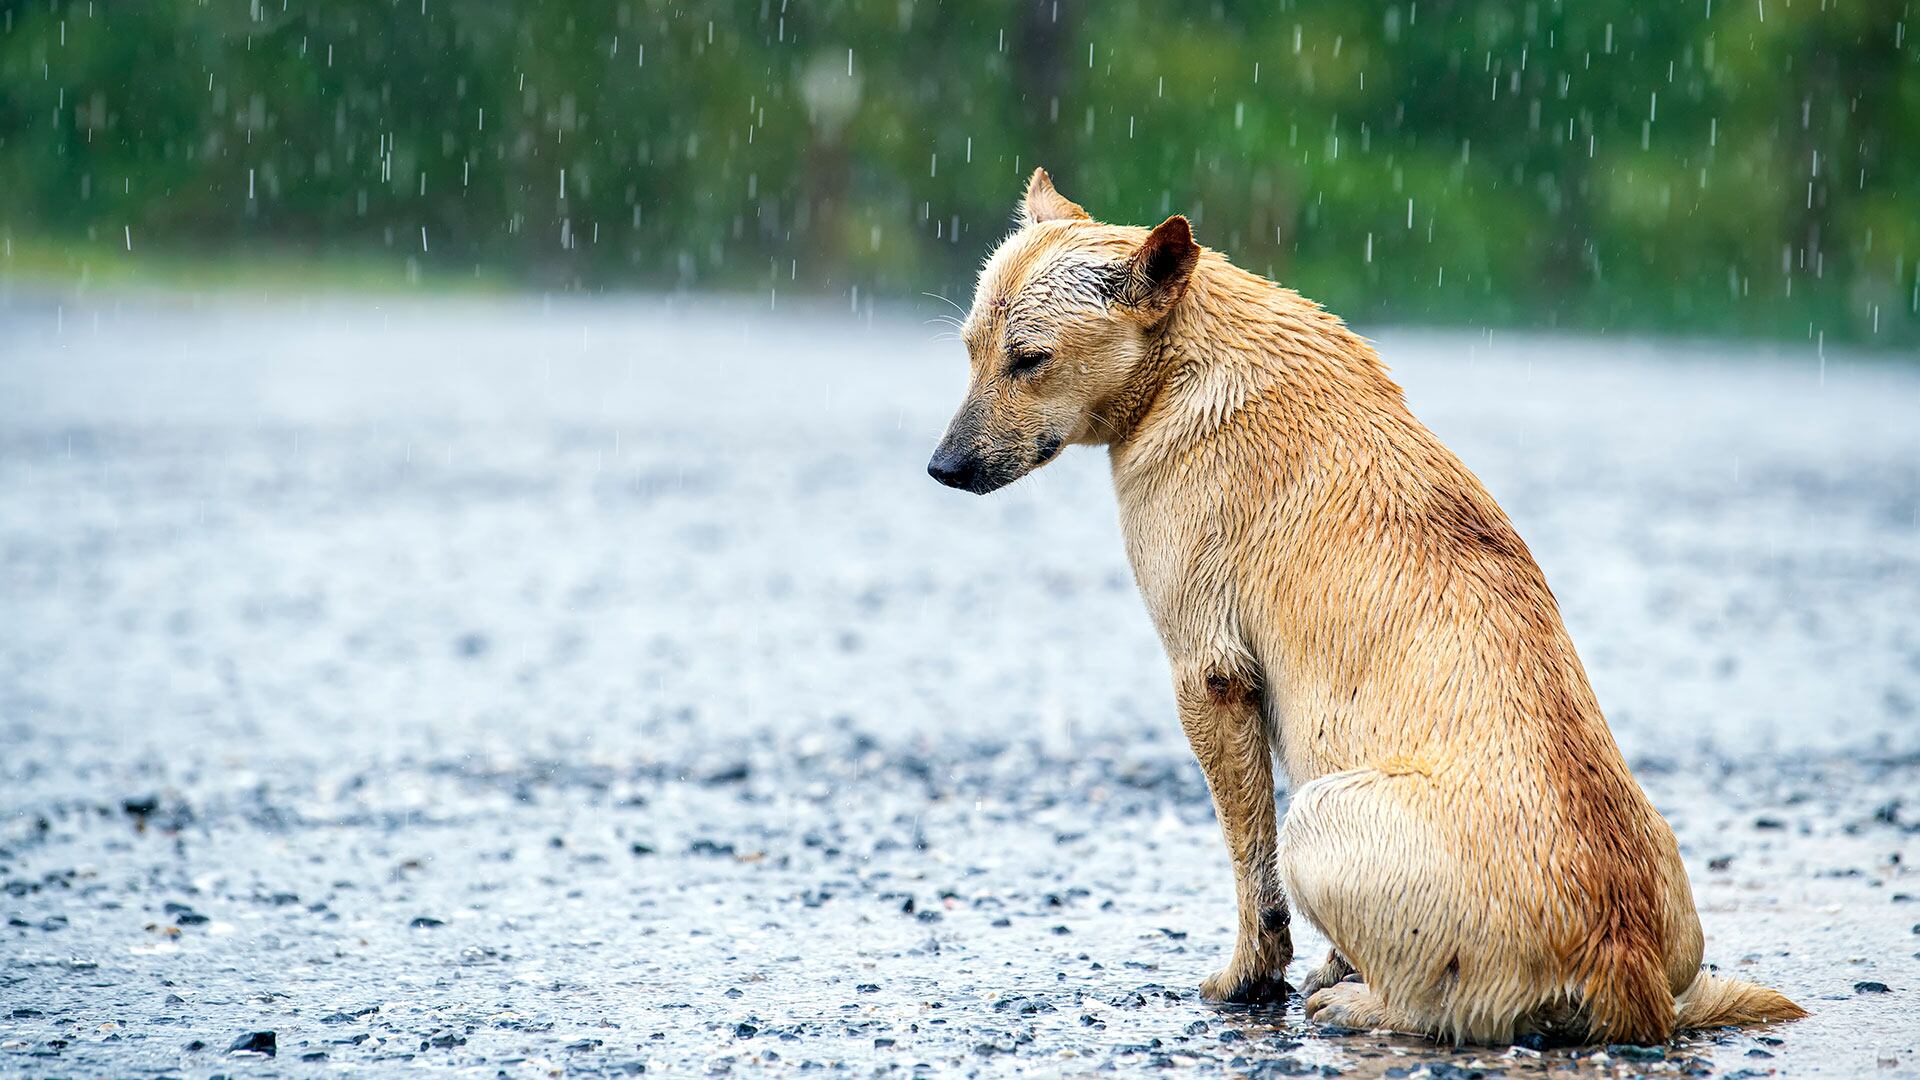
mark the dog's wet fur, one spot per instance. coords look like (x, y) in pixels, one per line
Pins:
(1337, 592)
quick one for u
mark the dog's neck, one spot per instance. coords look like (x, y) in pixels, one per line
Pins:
(1237, 341)
(1118, 417)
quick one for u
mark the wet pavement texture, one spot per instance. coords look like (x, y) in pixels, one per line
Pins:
(528, 687)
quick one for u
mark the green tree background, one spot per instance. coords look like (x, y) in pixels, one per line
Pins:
(1749, 167)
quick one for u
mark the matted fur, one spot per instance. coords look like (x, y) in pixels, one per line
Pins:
(1336, 591)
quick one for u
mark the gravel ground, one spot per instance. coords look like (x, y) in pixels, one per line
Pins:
(523, 687)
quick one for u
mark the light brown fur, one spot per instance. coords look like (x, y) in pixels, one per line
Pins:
(1337, 591)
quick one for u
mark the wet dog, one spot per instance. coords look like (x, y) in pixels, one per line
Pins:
(1336, 591)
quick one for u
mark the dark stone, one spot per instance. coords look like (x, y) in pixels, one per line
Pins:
(1287, 1066)
(256, 1042)
(1871, 987)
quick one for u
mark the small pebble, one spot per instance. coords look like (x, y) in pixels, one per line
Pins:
(256, 1042)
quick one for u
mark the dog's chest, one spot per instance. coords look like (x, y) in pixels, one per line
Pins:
(1179, 563)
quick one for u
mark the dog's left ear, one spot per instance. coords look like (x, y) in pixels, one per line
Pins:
(1155, 276)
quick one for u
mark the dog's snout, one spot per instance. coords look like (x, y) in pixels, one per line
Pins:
(956, 469)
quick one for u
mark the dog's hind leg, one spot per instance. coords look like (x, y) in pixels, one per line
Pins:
(1220, 710)
(1368, 857)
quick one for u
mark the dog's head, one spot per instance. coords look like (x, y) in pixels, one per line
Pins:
(1065, 311)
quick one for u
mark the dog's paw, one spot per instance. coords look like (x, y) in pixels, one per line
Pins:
(1327, 974)
(1232, 987)
(1347, 1004)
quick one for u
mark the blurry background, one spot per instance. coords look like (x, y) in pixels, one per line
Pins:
(1741, 166)
(471, 596)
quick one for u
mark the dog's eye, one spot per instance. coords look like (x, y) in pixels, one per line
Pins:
(1027, 361)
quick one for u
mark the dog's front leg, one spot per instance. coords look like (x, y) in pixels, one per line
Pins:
(1220, 710)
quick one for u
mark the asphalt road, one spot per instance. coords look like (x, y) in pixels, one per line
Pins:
(511, 686)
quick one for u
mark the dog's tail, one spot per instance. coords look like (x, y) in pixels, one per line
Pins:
(1713, 1001)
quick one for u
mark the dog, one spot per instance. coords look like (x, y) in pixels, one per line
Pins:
(1336, 591)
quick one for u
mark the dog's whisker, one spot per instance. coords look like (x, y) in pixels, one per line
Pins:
(944, 300)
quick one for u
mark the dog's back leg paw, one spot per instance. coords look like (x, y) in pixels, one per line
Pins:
(1332, 971)
(1354, 1006)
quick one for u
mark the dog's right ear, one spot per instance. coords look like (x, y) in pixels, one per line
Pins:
(1043, 203)
(1155, 276)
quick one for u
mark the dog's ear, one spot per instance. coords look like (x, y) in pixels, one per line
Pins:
(1043, 203)
(1155, 276)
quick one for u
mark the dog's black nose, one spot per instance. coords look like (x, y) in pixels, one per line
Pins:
(953, 470)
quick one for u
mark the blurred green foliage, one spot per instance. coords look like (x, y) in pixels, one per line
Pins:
(1722, 166)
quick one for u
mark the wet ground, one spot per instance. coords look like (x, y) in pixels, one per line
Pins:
(530, 687)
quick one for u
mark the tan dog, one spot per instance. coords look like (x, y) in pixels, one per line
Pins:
(1333, 586)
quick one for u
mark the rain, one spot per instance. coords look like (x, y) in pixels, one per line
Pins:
(472, 599)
